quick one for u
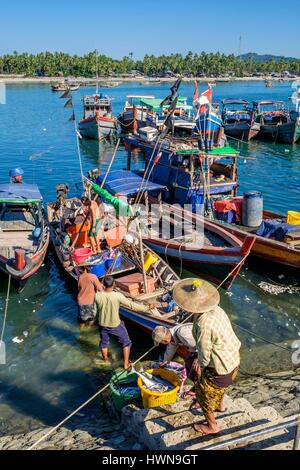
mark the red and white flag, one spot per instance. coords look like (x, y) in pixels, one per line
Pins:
(208, 95)
(204, 99)
(196, 93)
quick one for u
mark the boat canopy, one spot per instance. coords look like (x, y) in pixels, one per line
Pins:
(155, 104)
(140, 96)
(127, 183)
(20, 193)
(261, 103)
(226, 151)
(234, 101)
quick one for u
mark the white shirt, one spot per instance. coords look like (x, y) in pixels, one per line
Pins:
(182, 335)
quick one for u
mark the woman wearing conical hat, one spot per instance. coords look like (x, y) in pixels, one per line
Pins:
(217, 346)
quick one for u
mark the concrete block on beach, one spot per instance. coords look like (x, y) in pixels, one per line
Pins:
(171, 427)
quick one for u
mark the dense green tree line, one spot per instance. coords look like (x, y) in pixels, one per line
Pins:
(193, 64)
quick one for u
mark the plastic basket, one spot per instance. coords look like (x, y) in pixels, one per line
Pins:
(154, 399)
(293, 218)
(120, 399)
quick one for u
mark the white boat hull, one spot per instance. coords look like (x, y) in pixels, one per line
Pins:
(97, 128)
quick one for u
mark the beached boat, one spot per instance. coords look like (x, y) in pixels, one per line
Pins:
(276, 124)
(24, 233)
(134, 113)
(130, 273)
(238, 119)
(177, 234)
(98, 121)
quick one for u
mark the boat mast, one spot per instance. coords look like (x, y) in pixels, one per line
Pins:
(97, 74)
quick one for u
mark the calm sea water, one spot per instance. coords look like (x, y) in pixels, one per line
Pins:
(56, 367)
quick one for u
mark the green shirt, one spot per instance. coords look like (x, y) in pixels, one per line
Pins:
(107, 305)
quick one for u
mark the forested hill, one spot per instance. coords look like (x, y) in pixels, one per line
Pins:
(260, 58)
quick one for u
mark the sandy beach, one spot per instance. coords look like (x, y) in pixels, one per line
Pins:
(20, 79)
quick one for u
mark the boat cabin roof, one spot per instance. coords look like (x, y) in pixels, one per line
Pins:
(234, 101)
(140, 96)
(19, 193)
(127, 183)
(155, 103)
(92, 100)
(222, 152)
(267, 103)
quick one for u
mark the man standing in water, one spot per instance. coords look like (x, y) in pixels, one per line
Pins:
(88, 285)
(106, 308)
(217, 345)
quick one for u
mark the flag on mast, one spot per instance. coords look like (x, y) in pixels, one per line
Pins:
(201, 101)
(174, 89)
(208, 95)
(196, 92)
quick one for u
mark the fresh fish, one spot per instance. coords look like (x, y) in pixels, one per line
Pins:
(159, 380)
(128, 390)
(150, 384)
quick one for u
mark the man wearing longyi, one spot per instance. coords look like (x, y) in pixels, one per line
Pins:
(217, 346)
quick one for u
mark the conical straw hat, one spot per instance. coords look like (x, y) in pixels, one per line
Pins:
(195, 295)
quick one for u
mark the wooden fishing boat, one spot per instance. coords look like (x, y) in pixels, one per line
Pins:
(238, 119)
(276, 124)
(183, 122)
(74, 86)
(178, 234)
(64, 86)
(98, 121)
(284, 254)
(133, 111)
(60, 86)
(186, 171)
(24, 233)
(128, 273)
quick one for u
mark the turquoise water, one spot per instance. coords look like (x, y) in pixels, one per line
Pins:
(56, 367)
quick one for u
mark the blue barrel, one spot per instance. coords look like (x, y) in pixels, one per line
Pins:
(252, 209)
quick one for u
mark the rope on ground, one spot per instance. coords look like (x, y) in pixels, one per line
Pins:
(270, 377)
(5, 310)
(82, 405)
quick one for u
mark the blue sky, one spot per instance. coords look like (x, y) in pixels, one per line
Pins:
(116, 27)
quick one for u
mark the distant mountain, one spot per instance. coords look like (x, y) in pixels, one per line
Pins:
(259, 58)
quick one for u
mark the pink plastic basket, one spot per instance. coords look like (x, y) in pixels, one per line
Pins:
(81, 254)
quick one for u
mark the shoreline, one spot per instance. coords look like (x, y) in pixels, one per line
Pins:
(13, 79)
(93, 432)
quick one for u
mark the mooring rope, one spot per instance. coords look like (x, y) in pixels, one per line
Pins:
(6, 309)
(84, 404)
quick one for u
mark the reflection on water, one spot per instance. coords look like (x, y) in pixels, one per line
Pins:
(57, 367)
